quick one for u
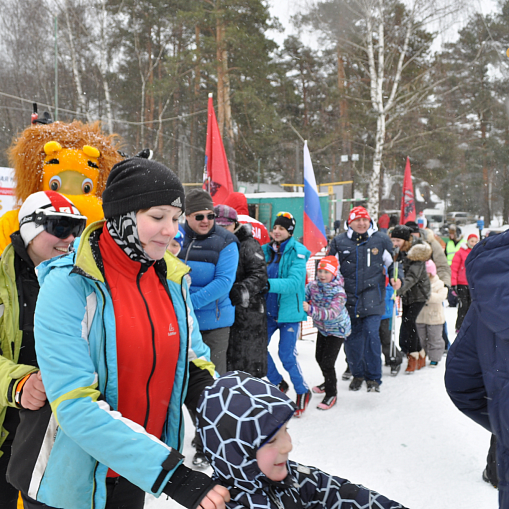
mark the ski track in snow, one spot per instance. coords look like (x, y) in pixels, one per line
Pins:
(408, 442)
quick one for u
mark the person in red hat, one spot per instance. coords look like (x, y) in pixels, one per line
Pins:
(238, 201)
(459, 278)
(325, 303)
(363, 253)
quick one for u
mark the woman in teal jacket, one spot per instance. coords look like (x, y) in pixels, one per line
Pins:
(115, 330)
(286, 259)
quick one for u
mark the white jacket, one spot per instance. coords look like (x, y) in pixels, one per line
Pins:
(433, 311)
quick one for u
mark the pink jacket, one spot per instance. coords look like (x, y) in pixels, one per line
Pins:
(458, 272)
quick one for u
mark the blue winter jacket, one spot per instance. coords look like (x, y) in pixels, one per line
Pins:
(239, 414)
(362, 266)
(76, 349)
(290, 284)
(213, 259)
(477, 369)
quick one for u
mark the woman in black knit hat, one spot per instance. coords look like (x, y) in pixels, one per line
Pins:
(415, 292)
(115, 335)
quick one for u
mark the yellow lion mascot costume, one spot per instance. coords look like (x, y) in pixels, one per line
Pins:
(74, 159)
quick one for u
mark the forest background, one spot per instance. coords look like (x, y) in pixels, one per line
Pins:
(376, 83)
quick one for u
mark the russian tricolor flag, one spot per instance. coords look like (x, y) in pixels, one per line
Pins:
(314, 230)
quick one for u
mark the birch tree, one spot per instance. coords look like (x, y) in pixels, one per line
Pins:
(386, 39)
(76, 71)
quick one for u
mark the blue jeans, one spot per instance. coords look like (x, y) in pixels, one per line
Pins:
(363, 348)
(288, 333)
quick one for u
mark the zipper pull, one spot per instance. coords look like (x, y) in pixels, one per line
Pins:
(369, 257)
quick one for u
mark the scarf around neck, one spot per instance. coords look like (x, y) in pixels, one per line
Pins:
(124, 231)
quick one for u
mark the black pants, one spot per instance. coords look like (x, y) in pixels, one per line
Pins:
(452, 299)
(8, 494)
(385, 339)
(120, 494)
(408, 338)
(491, 462)
(464, 301)
(217, 340)
(327, 350)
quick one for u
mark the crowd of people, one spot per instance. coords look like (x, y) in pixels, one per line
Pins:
(126, 321)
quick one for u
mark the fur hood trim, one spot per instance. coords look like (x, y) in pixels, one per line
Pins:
(427, 235)
(420, 251)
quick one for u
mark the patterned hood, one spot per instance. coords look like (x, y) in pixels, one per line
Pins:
(236, 416)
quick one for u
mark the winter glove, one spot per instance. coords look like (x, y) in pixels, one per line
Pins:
(239, 296)
(266, 289)
(188, 487)
(454, 289)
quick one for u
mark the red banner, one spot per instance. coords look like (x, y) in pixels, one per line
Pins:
(407, 198)
(218, 181)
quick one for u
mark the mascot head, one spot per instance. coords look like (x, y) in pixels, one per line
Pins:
(74, 159)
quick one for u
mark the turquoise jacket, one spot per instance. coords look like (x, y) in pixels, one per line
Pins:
(291, 281)
(76, 349)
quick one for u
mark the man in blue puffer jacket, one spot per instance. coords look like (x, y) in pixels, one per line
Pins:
(362, 253)
(213, 255)
(477, 369)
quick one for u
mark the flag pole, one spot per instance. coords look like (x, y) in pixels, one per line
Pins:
(206, 176)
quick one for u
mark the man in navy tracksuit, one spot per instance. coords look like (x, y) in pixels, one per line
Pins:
(362, 253)
(477, 369)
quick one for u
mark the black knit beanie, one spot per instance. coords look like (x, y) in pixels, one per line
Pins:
(138, 184)
(414, 227)
(401, 232)
(286, 220)
(198, 199)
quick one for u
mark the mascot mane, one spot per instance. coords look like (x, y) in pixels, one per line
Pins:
(28, 152)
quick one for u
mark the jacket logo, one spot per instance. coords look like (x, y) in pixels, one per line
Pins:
(375, 251)
(171, 331)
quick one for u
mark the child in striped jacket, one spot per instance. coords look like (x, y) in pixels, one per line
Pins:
(325, 303)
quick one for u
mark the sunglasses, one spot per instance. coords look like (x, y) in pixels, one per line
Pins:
(58, 226)
(201, 217)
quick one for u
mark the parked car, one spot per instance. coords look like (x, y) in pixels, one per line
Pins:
(460, 218)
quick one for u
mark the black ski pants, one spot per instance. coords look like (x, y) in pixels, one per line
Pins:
(491, 462)
(464, 301)
(327, 350)
(120, 494)
(408, 337)
(8, 493)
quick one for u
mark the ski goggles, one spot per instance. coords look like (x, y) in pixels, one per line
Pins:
(60, 226)
(201, 217)
(285, 214)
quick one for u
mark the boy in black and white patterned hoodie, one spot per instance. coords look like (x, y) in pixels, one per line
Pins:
(242, 422)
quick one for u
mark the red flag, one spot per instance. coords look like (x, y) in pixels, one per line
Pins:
(407, 198)
(217, 178)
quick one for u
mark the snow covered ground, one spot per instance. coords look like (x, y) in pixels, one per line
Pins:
(408, 442)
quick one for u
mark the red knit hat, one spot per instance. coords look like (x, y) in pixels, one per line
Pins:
(329, 263)
(472, 236)
(356, 213)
